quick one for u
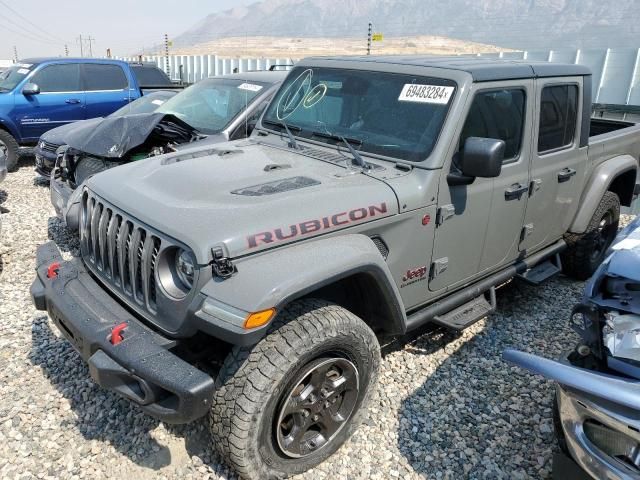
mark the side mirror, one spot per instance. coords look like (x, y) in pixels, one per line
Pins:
(30, 89)
(482, 157)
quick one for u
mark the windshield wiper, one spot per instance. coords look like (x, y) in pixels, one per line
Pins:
(358, 158)
(292, 139)
(359, 161)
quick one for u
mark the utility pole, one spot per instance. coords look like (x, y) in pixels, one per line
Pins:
(79, 39)
(15, 54)
(91, 40)
(166, 54)
(66, 50)
(369, 38)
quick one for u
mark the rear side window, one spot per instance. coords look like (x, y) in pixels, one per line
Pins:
(104, 77)
(497, 114)
(58, 78)
(150, 76)
(558, 117)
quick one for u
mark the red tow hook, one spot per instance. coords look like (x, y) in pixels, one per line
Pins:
(116, 333)
(52, 271)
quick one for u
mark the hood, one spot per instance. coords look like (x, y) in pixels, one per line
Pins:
(203, 142)
(113, 137)
(57, 136)
(246, 196)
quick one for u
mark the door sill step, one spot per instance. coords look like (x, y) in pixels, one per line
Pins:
(543, 271)
(469, 313)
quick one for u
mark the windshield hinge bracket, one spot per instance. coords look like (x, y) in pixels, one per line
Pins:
(222, 266)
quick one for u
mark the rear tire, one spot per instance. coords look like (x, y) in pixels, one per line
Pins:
(286, 404)
(9, 148)
(89, 166)
(586, 251)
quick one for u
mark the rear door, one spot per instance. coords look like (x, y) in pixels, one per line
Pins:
(479, 224)
(60, 101)
(558, 163)
(106, 87)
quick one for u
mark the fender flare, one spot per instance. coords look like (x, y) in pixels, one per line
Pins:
(276, 278)
(599, 182)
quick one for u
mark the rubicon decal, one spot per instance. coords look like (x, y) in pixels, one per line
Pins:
(337, 220)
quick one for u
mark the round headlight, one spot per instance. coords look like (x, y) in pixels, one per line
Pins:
(185, 267)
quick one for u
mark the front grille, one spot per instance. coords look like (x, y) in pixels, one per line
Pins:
(49, 147)
(120, 250)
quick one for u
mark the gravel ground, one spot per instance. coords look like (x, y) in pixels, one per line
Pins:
(448, 407)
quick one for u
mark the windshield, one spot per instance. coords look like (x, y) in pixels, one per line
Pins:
(389, 114)
(13, 76)
(209, 106)
(146, 104)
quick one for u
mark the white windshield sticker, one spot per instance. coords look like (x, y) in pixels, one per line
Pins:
(25, 65)
(250, 86)
(157, 102)
(412, 92)
(23, 71)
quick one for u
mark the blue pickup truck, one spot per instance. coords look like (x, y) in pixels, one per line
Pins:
(39, 94)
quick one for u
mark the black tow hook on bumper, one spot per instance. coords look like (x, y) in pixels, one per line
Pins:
(123, 354)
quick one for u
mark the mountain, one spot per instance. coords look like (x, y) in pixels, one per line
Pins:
(518, 24)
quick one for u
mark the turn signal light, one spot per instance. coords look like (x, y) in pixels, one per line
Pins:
(258, 319)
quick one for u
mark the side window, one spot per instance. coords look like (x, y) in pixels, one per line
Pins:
(58, 78)
(497, 114)
(104, 77)
(558, 117)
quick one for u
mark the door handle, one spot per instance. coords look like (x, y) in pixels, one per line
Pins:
(565, 174)
(72, 101)
(515, 191)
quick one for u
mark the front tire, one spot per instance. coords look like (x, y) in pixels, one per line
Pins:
(286, 404)
(586, 251)
(9, 150)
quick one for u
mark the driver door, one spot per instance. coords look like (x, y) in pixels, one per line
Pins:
(60, 101)
(479, 225)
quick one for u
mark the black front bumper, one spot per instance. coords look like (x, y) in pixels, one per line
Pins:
(140, 367)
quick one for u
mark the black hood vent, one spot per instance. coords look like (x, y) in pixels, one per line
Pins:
(279, 186)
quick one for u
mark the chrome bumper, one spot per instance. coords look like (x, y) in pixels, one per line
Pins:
(575, 409)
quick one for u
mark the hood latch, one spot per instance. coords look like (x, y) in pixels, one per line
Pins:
(222, 266)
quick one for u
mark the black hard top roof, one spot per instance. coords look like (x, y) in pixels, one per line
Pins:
(482, 69)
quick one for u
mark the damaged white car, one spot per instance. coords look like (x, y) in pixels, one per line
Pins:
(597, 411)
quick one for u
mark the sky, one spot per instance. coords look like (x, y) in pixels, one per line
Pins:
(43, 27)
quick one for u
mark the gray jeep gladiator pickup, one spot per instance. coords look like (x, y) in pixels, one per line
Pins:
(254, 281)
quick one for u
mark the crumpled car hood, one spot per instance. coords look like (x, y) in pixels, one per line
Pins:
(244, 195)
(614, 289)
(113, 137)
(58, 135)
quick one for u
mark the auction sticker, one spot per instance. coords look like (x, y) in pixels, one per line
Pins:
(23, 71)
(250, 86)
(157, 102)
(412, 92)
